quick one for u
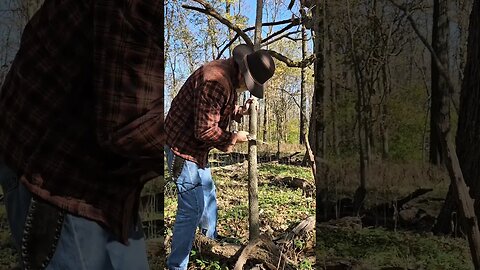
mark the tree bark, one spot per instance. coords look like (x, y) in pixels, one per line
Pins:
(316, 133)
(440, 35)
(317, 119)
(331, 62)
(468, 132)
(361, 191)
(265, 119)
(303, 98)
(461, 193)
(253, 217)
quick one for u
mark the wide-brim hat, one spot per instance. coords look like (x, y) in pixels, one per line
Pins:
(257, 67)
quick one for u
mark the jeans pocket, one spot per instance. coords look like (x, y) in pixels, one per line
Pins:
(8, 179)
(189, 178)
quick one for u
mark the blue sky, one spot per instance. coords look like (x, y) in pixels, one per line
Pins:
(248, 9)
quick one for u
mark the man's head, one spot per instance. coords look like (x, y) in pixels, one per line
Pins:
(255, 68)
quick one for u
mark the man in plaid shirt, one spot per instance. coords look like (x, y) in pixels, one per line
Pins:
(196, 123)
(81, 131)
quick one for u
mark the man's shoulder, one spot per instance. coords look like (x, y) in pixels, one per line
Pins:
(219, 71)
(220, 64)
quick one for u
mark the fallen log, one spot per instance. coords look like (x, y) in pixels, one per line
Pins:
(387, 214)
(303, 228)
(288, 159)
(224, 252)
(398, 204)
(379, 215)
(308, 189)
(262, 250)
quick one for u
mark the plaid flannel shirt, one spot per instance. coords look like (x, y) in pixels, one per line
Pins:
(82, 106)
(202, 110)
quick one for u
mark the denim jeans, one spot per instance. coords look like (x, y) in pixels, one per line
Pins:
(197, 207)
(83, 244)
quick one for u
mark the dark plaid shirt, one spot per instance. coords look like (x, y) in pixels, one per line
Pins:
(200, 113)
(82, 106)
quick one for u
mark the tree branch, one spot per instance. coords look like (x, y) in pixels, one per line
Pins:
(287, 35)
(295, 21)
(291, 95)
(290, 63)
(209, 10)
(227, 46)
(280, 31)
(424, 40)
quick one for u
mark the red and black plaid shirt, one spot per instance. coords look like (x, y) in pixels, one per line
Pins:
(200, 113)
(82, 106)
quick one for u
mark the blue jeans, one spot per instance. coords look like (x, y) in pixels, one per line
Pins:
(83, 244)
(197, 207)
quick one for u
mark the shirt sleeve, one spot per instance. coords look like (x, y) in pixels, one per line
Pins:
(210, 97)
(128, 78)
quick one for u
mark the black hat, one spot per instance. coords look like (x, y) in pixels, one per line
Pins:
(256, 66)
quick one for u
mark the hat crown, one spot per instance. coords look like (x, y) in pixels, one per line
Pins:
(261, 66)
(257, 67)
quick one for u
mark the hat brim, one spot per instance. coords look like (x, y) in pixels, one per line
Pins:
(240, 55)
(255, 88)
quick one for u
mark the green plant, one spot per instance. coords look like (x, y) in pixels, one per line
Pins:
(305, 265)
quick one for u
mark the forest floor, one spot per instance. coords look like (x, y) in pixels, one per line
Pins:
(339, 246)
(281, 208)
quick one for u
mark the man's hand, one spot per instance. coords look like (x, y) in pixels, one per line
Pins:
(245, 109)
(242, 136)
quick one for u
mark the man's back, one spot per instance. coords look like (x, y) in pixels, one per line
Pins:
(206, 100)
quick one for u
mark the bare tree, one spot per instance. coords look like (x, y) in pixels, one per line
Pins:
(468, 126)
(303, 97)
(440, 39)
(253, 217)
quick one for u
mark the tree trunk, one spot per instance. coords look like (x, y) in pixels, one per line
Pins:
(440, 35)
(317, 121)
(331, 62)
(303, 98)
(384, 108)
(468, 132)
(361, 191)
(385, 147)
(462, 26)
(265, 118)
(253, 217)
(279, 136)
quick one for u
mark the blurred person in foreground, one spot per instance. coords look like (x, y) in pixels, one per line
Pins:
(81, 132)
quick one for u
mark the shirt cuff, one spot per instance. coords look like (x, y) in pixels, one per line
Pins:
(228, 147)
